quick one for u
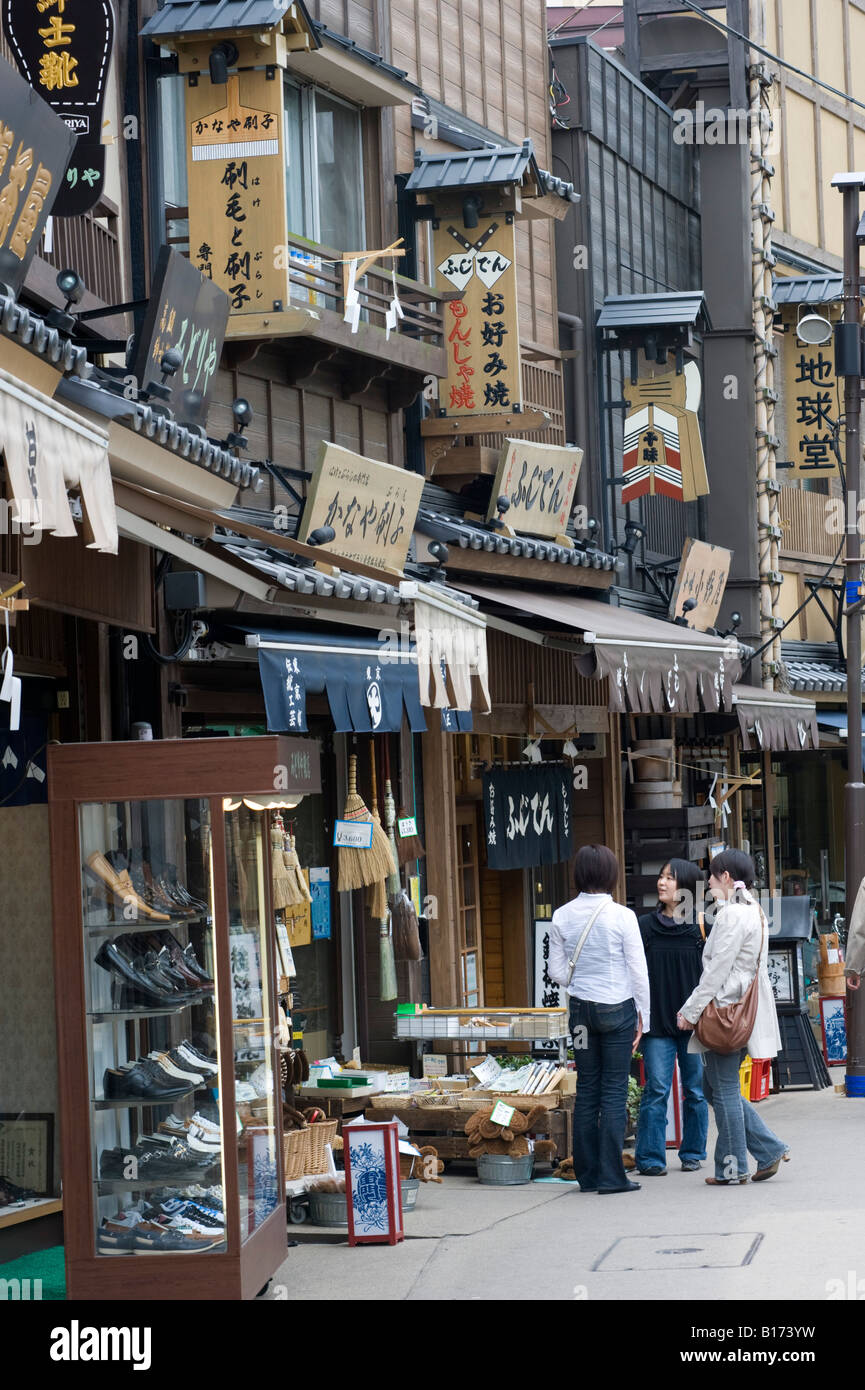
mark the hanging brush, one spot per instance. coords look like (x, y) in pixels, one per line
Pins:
(406, 937)
(283, 885)
(295, 873)
(359, 867)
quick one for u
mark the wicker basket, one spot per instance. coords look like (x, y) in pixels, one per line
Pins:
(295, 1152)
(320, 1135)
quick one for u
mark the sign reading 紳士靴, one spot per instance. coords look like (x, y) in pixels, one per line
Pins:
(187, 314)
(539, 481)
(527, 816)
(34, 149)
(63, 48)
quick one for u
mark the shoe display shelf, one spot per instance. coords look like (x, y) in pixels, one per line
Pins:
(163, 938)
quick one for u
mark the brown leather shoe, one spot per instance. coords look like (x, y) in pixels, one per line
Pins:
(121, 886)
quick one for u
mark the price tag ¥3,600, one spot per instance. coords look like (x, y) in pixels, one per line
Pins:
(502, 1114)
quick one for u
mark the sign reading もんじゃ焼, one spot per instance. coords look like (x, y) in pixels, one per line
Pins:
(539, 481)
(187, 314)
(371, 506)
(237, 187)
(481, 331)
(63, 49)
(35, 146)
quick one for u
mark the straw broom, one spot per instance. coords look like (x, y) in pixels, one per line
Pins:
(403, 915)
(295, 873)
(283, 888)
(408, 847)
(377, 896)
(359, 867)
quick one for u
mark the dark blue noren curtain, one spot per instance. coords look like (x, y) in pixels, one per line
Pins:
(527, 816)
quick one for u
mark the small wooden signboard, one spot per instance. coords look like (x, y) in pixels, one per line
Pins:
(371, 506)
(539, 481)
(702, 576)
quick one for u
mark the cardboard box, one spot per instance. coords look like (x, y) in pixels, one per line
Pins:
(567, 1084)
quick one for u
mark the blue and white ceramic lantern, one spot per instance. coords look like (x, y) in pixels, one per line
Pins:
(374, 1196)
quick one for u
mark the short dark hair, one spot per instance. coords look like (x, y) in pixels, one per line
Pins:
(686, 874)
(737, 864)
(596, 869)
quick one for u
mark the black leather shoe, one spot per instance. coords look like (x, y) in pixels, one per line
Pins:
(629, 1187)
(116, 963)
(141, 1082)
(151, 969)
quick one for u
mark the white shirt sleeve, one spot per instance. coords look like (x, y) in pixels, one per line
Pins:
(557, 965)
(635, 959)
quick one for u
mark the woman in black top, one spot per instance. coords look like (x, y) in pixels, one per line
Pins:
(673, 940)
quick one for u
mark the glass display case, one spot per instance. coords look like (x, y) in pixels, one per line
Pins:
(166, 1012)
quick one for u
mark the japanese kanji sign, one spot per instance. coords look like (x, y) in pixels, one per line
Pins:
(548, 995)
(702, 576)
(63, 48)
(237, 208)
(527, 816)
(663, 450)
(187, 313)
(371, 506)
(481, 329)
(34, 149)
(811, 398)
(539, 481)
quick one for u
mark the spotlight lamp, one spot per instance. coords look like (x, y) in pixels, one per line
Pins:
(634, 533)
(242, 412)
(222, 57)
(735, 621)
(72, 287)
(323, 535)
(169, 363)
(439, 552)
(471, 210)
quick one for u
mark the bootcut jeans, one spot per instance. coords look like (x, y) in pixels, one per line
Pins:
(659, 1055)
(741, 1129)
(603, 1057)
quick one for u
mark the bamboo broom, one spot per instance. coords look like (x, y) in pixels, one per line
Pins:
(359, 867)
(295, 873)
(377, 896)
(283, 887)
(387, 964)
(406, 936)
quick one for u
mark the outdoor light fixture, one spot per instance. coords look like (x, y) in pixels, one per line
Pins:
(814, 329)
(323, 535)
(502, 506)
(735, 620)
(439, 552)
(169, 364)
(634, 533)
(471, 210)
(222, 57)
(242, 412)
(72, 287)
(593, 526)
(687, 607)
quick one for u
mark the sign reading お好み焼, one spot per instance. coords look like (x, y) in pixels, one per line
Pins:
(35, 146)
(481, 329)
(63, 49)
(187, 314)
(371, 506)
(237, 187)
(539, 481)
(702, 577)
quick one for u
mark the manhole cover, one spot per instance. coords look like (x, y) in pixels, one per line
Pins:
(713, 1251)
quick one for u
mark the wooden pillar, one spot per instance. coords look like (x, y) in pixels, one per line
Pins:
(441, 861)
(769, 818)
(614, 829)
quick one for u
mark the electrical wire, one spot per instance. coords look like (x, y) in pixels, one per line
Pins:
(169, 658)
(767, 53)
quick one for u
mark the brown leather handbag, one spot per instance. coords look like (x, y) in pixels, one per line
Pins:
(726, 1028)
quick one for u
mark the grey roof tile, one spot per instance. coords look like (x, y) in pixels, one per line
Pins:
(653, 310)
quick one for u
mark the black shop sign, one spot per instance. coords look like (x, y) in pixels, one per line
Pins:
(527, 816)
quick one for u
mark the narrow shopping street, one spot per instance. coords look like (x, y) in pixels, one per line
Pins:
(674, 1239)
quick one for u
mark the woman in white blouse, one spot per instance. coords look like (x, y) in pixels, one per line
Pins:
(596, 952)
(736, 951)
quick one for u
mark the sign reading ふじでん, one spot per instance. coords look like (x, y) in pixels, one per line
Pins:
(539, 481)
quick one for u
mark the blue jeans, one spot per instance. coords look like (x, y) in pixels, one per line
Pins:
(602, 1051)
(740, 1127)
(660, 1054)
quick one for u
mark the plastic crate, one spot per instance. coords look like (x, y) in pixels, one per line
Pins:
(761, 1078)
(745, 1078)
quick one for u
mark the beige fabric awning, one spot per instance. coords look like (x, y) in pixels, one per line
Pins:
(653, 667)
(451, 641)
(775, 720)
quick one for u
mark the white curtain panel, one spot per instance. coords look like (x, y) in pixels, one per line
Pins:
(443, 636)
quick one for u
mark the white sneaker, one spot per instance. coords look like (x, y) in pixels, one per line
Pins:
(197, 1063)
(163, 1060)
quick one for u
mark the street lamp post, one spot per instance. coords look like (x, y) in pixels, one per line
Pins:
(848, 363)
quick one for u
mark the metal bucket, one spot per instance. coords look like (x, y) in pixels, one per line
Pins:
(499, 1170)
(329, 1209)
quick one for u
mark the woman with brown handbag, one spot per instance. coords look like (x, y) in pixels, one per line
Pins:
(732, 1011)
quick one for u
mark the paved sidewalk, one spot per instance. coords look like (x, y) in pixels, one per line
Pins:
(676, 1238)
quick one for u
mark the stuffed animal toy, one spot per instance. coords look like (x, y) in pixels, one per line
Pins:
(485, 1137)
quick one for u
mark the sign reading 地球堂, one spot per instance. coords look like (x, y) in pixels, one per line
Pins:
(539, 481)
(63, 49)
(527, 816)
(34, 149)
(187, 314)
(481, 331)
(237, 188)
(811, 396)
(371, 506)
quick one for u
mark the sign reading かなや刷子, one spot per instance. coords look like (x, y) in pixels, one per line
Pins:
(371, 506)
(539, 481)
(481, 329)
